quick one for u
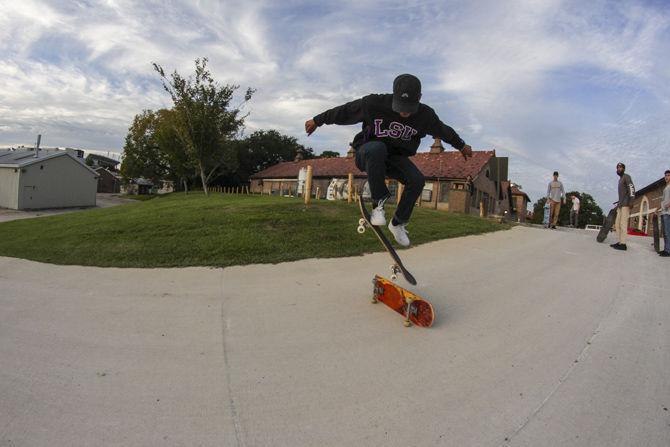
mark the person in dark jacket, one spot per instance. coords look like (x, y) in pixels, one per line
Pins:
(392, 128)
(626, 191)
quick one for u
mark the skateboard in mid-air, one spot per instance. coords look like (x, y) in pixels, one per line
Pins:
(411, 306)
(607, 225)
(397, 266)
(656, 230)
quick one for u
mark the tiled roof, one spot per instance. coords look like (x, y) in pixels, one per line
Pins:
(321, 167)
(517, 192)
(448, 164)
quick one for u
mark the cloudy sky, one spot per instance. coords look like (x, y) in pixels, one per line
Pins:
(571, 86)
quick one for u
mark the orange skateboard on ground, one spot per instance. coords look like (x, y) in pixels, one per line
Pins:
(414, 308)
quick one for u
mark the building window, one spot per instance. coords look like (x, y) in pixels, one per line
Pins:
(444, 192)
(474, 198)
(427, 193)
(393, 188)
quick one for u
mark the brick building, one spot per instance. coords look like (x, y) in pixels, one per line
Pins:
(447, 187)
(647, 202)
(518, 202)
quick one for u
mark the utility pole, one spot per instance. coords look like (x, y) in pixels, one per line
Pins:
(37, 145)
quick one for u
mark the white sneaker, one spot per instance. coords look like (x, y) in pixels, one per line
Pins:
(377, 217)
(399, 233)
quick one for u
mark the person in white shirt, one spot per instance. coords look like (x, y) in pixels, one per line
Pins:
(574, 212)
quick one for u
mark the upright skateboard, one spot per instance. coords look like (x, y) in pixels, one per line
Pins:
(397, 266)
(657, 235)
(414, 308)
(607, 225)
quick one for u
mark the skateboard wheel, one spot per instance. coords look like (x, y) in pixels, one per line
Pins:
(361, 222)
(374, 300)
(361, 229)
(394, 277)
(407, 323)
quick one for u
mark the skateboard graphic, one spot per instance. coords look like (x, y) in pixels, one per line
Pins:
(397, 266)
(656, 230)
(607, 225)
(412, 307)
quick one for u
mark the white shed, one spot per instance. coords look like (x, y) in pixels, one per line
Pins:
(50, 180)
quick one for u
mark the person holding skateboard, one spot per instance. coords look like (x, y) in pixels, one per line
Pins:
(392, 128)
(626, 191)
(665, 216)
(555, 195)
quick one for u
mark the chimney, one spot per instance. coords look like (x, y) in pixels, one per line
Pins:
(351, 152)
(437, 147)
(298, 156)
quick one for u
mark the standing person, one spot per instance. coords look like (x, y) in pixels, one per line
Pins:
(393, 126)
(555, 195)
(574, 212)
(665, 216)
(626, 191)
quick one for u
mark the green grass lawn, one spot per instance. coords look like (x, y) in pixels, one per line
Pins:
(220, 230)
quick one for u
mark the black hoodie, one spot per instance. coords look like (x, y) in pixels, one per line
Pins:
(401, 135)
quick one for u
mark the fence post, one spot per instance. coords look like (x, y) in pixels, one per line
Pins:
(308, 185)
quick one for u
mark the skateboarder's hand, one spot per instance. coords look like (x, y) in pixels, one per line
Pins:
(310, 127)
(466, 151)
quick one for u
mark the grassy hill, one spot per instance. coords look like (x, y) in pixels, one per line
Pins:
(220, 230)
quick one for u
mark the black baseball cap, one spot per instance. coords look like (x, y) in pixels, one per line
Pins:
(406, 94)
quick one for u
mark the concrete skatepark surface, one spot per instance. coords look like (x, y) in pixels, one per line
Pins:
(542, 338)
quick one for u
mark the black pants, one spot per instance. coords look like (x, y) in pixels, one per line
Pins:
(373, 157)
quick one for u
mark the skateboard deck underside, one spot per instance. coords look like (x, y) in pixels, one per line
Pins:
(607, 226)
(657, 236)
(421, 311)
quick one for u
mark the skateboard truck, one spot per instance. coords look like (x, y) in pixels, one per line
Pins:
(361, 225)
(394, 271)
(409, 302)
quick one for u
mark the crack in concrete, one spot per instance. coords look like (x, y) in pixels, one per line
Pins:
(569, 371)
(226, 364)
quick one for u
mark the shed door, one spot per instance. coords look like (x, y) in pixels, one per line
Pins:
(28, 192)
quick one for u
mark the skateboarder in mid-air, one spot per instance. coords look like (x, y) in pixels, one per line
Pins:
(393, 126)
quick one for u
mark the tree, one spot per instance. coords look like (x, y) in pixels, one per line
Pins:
(180, 168)
(265, 148)
(141, 155)
(589, 211)
(204, 120)
(329, 154)
(538, 210)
